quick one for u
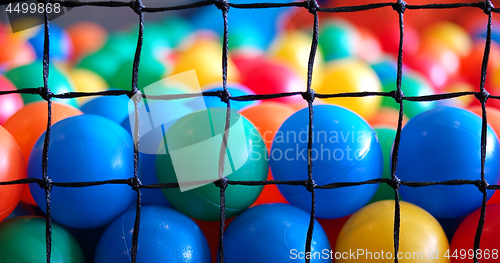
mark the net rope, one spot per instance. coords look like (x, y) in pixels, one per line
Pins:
(400, 6)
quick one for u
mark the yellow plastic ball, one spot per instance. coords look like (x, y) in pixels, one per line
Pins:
(205, 57)
(447, 35)
(293, 48)
(87, 81)
(351, 75)
(368, 235)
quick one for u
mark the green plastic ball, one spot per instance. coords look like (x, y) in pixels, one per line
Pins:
(150, 71)
(22, 240)
(336, 40)
(385, 138)
(31, 76)
(411, 85)
(103, 62)
(192, 154)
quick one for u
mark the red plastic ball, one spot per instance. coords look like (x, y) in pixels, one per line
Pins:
(462, 244)
(269, 78)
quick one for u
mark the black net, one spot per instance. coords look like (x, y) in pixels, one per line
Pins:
(400, 7)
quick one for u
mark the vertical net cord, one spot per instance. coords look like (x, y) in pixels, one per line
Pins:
(483, 97)
(313, 6)
(137, 7)
(46, 94)
(400, 7)
(223, 5)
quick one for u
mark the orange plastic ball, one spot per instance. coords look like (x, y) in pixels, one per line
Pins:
(29, 123)
(12, 167)
(86, 38)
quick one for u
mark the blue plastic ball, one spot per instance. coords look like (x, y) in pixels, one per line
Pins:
(344, 149)
(114, 108)
(85, 148)
(165, 235)
(274, 233)
(445, 144)
(60, 42)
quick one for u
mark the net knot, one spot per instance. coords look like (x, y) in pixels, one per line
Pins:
(46, 183)
(312, 6)
(310, 185)
(482, 185)
(224, 95)
(222, 183)
(222, 5)
(45, 93)
(135, 183)
(309, 95)
(395, 183)
(137, 6)
(398, 95)
(134, 92)
(482, 96)
(399, 6)
(487, 6)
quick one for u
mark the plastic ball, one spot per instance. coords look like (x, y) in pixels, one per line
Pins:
(211, 230)
(411, 85)
(58, 82)
(86, 37)
(344, 149)
(430, 67)
(150, 71)
(22, 239)
(15, 52)
(9, 103)
(388, 35)
(246, 36)
(447, 35)
(352, 76)
(293, 48)
(85, 148)
(470, 65)
(274, 233)
(272, 77)
(386, 69)
(122, 45)
(369, 233)
(13, 167)
(385, 137)
(462, 244)
(369, 48)
(164, 235)
(29, 123)
(94, 62)
(387, 117)
(197, 138)
(87, 81)
(205, 58)
(445, 144)
(338, 39)
(114, 108)
(60, 42)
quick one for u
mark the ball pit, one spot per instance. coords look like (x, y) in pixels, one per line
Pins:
(268, 52)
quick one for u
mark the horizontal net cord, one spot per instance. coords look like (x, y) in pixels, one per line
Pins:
(305, 183)
(223, 97)
(304, 4)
